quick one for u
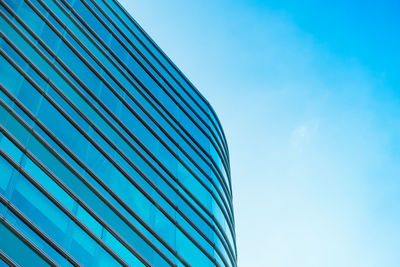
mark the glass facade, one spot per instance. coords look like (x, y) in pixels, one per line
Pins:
(108, 154)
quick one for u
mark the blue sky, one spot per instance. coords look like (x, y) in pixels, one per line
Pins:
(309, 97)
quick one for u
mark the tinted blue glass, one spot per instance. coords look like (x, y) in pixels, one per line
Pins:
(81, 6)
(30, 18)
(33, 237)
(18, 250)
(6, 71)
(121, 128)
(6, 171)
(133, 35)
(3, 263)
(68, 179)
(49, 218)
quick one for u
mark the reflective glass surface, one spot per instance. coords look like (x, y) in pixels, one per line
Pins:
(109, 155)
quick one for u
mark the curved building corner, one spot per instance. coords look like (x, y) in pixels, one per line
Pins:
(109, 155)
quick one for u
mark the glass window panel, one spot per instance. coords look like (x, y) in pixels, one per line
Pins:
(48, 183)
(19, 133)
(49, 37)
(13, 4)
(30, 18)
(32, 236)
(10, 148)
(16, 249)
(89, 221)
(8, 78)
(6, 172)
(158, 149)
(122, 251)
(82, 247)
(190, 252)
(87, 195)
(33, 203)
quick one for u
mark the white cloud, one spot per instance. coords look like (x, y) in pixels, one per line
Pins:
(279, 92)
(302, 135)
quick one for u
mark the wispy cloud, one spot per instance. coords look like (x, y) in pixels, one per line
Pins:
(313, 133)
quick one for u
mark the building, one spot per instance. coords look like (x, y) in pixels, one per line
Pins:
(109, 155)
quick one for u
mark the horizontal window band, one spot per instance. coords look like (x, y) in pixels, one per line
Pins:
(7, 260)
(228, 176)
(165, 57)
(136, 25)
(225, 162)
(127, 49)
(116, 165)
(38, 40)
(85, 182)
(11, 228)
(86, 169)
(73, 195)
(111, 51)
(31, 226)
(127, 69)
(127, 105)
(149, 63)
(62, 208)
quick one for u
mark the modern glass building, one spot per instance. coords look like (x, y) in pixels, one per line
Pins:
(108, 154)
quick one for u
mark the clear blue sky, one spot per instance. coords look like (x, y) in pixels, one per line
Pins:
(308, 93)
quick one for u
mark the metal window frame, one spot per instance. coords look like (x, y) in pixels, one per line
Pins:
(169, 61)
(7, 260)
(38, 39)
(221, 239)
(156, 70)
(62, 208)
(29, 243)
(76, 173)
(101, 150)
(74, 196)
(15, 211)
(127, 105)
(189, 168)
(218, 175)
